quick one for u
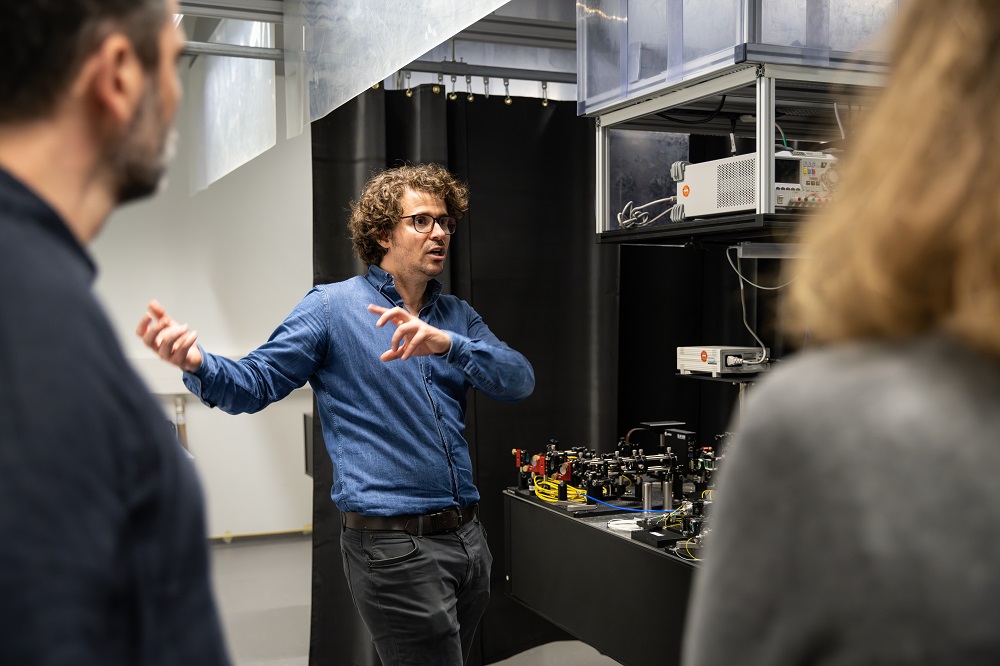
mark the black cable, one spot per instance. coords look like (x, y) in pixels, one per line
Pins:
(695, 122)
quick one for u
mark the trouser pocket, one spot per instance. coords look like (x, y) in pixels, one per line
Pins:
(385, 549)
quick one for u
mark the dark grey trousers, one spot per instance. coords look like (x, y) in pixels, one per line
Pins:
(420, 597)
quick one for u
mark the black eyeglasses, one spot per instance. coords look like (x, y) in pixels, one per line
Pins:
(422, 222)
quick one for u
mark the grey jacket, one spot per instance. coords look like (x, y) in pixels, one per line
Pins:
(857, 514)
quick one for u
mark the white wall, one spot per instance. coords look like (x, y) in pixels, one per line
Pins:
(232, 261)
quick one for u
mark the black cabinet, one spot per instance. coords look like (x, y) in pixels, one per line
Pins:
(623, 597)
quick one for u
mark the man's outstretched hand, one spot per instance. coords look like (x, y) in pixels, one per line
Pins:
(173, 342)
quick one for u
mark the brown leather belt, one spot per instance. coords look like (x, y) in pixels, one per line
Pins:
(440, 522)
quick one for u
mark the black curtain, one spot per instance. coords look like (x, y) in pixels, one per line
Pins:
(677, 297)
(687, 296)
(526, 258)
(346, 147)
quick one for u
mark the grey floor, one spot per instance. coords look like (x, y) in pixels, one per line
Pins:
(263, 590)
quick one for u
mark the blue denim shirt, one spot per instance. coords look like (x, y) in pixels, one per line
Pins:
(394, 430)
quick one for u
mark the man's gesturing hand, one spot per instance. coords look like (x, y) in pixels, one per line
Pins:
(413, 336)
(172, 342)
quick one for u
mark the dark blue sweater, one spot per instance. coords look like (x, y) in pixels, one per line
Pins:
(103, 557)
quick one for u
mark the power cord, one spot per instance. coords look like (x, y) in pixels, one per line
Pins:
(634, 216)
(743, 305)
(747, 280)
(696, 121)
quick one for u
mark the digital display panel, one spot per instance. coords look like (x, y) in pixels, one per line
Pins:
(786, 171)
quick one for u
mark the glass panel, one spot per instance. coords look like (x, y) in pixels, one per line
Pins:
(711, 27)
(239, 121)
(630, 48)
(639, 172)
(841, 25)
(600, 34)
(335, 49)
(647, 43)
(783, 22)
(661, 42)
(855, 23)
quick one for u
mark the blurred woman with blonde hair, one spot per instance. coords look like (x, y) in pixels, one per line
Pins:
(856, 515)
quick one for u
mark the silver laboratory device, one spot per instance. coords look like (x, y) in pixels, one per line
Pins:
(721, 360)
(802, 179)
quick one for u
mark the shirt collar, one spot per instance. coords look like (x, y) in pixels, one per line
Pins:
(19, 202)
(385, 284)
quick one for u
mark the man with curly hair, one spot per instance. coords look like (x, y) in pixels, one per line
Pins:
(392, 403)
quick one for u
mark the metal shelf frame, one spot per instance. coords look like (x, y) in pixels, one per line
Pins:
(723, 229)
(764, 82)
